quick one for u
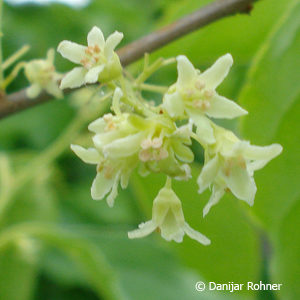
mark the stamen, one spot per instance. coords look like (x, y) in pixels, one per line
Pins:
(97, 49)
(199, 84)
(157, 143)
(110, 126)
(145, 155)
(88, 51)
(202, 104)
(208, 93)
(107, 117)
(228, 167)
(100, 167)
(189, 94)
(84, 62)
(108, 172)
(241, 162)
(163, 153)
(146, 144)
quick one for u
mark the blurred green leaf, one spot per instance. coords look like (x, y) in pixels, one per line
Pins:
(17, 271)
(271, 96)
(147, 269)
(234, 252)
(78, 206)
(272, 83)
(86, 256)
(33, 202)
(286, 268)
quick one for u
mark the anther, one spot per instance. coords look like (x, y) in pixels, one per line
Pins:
(157, 143)
(199, 84)
(208, 93)
(97, 49)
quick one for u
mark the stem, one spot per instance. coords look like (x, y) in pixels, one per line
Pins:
(152, 88)
(130, 98)
(13, 58)
(148, 71)
(132, 52)
(168, 182)
(6, 82)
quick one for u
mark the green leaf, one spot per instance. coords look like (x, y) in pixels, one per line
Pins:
(271, 96)
(34, 201)
(88, 258)
(234, 252)
(287, 255)
(239, 35)
(272, 85)
(146, 268)
(17, 271)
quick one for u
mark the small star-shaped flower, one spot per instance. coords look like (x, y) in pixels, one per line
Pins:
(98, 59)
(194, 95)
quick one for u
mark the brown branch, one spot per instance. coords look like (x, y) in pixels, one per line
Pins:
(18, 101)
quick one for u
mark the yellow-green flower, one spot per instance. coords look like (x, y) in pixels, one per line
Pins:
(230, 165)
(98, 60)
(42, 76)
(194, 95)
(167, 216)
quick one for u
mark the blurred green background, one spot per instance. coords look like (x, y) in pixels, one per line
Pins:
(56, 243)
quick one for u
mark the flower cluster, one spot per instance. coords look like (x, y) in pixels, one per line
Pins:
(137, 135)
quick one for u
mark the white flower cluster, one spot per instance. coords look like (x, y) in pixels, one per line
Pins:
(137, 135)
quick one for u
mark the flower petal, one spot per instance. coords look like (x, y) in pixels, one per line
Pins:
(183, 133)
(50, 56)
(53, 89)
(241, 184)
(93, 74)
(124, 147)
(101, 186)
(114, 191)
(195, 235)
(183, 152)
(33, 90)
(112, 41)
(118, 94)
(125, 176)
(72, 51)
(95, 37)
(170, 229)
(221, 107)
(217, 72)
(217, 194)
(208, 173)
(73, 79)
(186, 71)
(205, 131)
(265, 153)
(173, 104)
(97, 126)
(144, 230)
(89, 156)
(102, 139)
